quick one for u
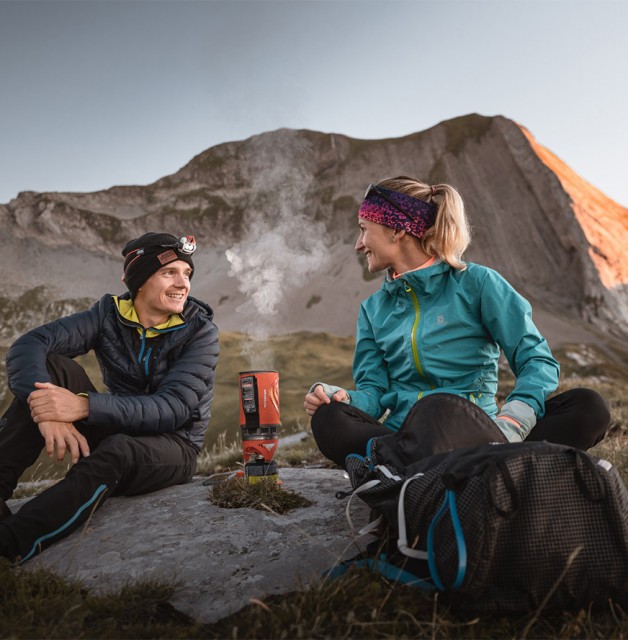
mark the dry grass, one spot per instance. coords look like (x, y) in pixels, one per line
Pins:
(220, 456)
(237, 493)
(40, 604)
(363, 605)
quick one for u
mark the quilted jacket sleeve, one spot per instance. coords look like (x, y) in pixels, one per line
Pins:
(70, 336)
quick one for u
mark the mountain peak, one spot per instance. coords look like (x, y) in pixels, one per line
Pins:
(556, 238)
(604, 221)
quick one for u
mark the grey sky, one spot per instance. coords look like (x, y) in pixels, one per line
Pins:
(97, 93)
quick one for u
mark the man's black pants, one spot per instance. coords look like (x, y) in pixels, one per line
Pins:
(118, 464)
(441, 422)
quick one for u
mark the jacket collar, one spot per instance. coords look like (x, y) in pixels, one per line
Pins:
(127, 311)
(424, 281)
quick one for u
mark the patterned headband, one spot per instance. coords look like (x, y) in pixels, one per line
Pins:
(397, 211)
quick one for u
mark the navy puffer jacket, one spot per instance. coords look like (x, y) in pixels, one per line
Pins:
(158, 385)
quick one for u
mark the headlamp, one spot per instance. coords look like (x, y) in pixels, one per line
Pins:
(185, 245)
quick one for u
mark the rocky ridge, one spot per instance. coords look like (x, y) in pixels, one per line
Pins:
(285, 204)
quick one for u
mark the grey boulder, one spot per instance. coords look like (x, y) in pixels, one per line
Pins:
(219, 558)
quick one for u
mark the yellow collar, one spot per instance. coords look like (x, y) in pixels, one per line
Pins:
(128, 312)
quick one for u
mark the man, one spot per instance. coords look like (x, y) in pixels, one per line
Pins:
(157, 349)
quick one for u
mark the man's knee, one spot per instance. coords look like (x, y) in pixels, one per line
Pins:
(111, 462)
(115, 453)
(66, 373)
(118, 444)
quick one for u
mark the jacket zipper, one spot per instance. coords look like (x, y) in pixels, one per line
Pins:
(144, 358)
(144, 355)
(148, 369)
(415, 328)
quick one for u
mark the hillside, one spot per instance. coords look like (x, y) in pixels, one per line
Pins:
(303, 358)
(275, 216)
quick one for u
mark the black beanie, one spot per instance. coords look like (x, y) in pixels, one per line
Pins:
(150, 252)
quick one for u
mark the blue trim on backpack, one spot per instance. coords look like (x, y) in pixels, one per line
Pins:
(363, 459)
(449, 503)
(383, 567)
(397, 574)
(369, 455)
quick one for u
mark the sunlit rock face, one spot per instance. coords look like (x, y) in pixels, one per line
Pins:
(604, 223)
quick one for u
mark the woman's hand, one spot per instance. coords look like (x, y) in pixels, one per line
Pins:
(317, 397)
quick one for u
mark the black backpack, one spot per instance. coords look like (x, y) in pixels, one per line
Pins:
(500, 528)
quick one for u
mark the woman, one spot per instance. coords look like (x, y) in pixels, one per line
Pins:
(429, 340)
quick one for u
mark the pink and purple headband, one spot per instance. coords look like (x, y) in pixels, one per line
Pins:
(397, 210)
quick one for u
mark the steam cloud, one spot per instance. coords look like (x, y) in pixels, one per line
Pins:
(284, 244)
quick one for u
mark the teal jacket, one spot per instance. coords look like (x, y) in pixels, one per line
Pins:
(439, 329)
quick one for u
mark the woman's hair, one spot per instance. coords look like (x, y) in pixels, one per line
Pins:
(451, 234)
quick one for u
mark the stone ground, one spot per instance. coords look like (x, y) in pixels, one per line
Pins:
(220, 558)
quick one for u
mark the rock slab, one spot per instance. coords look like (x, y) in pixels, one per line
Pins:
(219, 558)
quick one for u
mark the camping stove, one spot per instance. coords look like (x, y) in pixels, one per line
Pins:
(259, 423)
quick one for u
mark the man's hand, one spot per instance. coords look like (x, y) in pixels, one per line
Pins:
(318, 397)
(63, 436)
(50, 403)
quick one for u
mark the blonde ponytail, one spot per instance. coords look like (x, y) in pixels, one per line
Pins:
(451, 234)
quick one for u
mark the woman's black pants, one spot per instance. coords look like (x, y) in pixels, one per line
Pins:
(118, 463)
(441, 422)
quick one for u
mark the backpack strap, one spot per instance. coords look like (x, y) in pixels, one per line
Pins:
(383, 567)
(369, 484)
(582, 462)
(363, 487)
(449, 503)
(402, 542)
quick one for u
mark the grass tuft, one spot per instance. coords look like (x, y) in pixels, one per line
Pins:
(237, 493)
(40, 604)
